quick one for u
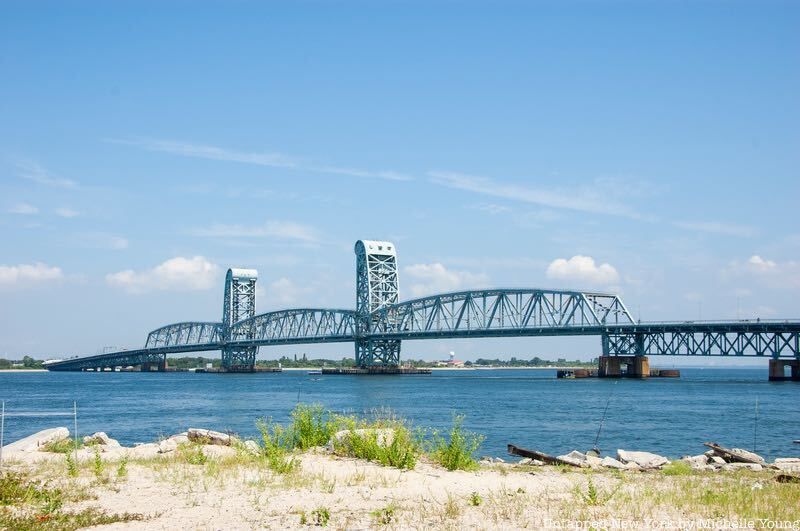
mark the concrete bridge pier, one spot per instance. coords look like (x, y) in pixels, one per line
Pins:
(634, 367)
(778, 370)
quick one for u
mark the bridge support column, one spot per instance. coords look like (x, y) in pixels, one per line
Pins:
(778, 373)
(619, 366)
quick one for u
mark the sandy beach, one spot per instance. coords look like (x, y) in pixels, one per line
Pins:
(178, 484)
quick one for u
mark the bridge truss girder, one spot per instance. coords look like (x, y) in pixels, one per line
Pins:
(300, 325)
(771, 343)
(492, 311)
(188, 333)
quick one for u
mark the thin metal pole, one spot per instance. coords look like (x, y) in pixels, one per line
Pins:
(755, 427)
(2, 429)
(75, 425)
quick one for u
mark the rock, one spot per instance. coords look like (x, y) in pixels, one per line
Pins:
(202, 436)
(610, 462)
(575, 458)
(644, 460)
(716, 460)
(145, 451)
(696, 461)
(252, 447)
(732, 467)
(593, 461)
(787, 464)
(499, 460)
(102, 439)
(525, 461)
(745, 455)
(384, 437)
(181, 438)
(32, 443)
(167, 445)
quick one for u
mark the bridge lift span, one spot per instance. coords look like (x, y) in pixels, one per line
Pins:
(380, 322)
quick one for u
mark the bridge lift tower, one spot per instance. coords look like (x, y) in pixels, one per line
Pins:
(239, 304)
(376, 287)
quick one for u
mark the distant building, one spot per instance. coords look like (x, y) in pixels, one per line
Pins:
(450, 362)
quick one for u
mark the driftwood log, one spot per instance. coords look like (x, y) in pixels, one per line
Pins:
(533, 454)
(728, 455)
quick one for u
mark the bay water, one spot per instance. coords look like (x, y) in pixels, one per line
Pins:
(529, 408)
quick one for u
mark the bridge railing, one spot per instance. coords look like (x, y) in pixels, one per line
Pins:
(488, 310)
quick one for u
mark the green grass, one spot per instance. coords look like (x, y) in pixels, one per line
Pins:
(276, 445)
(369, 443)
(312, 426)
(62, 446)
(321, 516)
(386, 515)
(457, 451)
(62, 521)
(191, 453)
(475, 499)
(26, 505)
(677, 468)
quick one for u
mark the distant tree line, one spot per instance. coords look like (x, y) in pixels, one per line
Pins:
(197, 362)
(25, 363)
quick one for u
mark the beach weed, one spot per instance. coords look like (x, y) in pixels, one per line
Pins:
(457, 451)
(321, 516)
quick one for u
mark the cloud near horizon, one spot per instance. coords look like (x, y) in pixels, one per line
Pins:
(436, 278)
(581, 268)
(176, 274)
(16, 275)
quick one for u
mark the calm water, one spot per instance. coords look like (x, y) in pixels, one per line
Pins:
(530, 408)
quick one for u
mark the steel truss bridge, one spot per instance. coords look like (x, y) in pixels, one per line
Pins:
(381, 322)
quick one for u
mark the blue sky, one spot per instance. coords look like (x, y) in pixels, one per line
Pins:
(649, 148)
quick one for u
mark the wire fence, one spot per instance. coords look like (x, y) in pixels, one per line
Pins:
(10, 414)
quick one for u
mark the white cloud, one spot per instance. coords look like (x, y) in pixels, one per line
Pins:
(28, 273)
(34, 172)
(67, 212)
(175, 274)
(436, 278)
(582, 269)
(24, 209)
(717, 227)
(595, 198)
(758, 264)
(277, 229)
(283, 292)
(273, 160)
(770, 273)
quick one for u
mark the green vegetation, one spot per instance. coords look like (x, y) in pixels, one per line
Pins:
(386, 515)
(72, 466)
(25, 363)
(677, 468)
(594, 496)
(25, 505)
(276, 445)
(321, 516)
(457, 452)
(312, 426)
(475, 499)
(62, 446)
(533, 362)
(122, 468)
(191, 453)
(385, 441)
